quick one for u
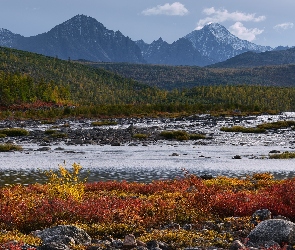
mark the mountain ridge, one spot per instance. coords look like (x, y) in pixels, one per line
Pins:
(83, 37)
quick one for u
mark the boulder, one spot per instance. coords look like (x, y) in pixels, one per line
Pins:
(129, 241)
(260, 215)
(273, 230)
(62, 236)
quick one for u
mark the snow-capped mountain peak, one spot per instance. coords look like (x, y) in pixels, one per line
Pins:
(215, 41)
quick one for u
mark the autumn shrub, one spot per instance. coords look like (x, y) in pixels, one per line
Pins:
(6, 147)
(16, 236)
(118, 208)
(65, 184)
(14, 132)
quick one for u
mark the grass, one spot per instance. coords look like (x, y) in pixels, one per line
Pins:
(6, 147)
(14, 132)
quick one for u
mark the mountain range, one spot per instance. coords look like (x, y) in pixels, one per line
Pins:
(83, 37)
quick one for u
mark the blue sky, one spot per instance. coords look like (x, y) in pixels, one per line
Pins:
(263, 22)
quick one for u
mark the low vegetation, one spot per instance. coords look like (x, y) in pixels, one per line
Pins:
(14, 132)
(284, 155)
(140, 136)
(261, 128)
(181, 135)
(277, 125)
(114, 208)
(242, 129)
(6, 147)
(103, 123)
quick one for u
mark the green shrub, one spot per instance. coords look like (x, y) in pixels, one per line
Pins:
(196, 136)
(277, 125)
(177, 134)
(49, 131)
(140, 136)
(103, 123)
(242, 129)
(3, 135)
(9, 147)
(284, 155)
(59, 135)
(14, 132)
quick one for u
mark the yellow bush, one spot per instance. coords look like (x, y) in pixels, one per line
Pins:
(66, 184)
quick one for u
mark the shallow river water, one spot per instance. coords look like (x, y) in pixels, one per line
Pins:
(163, 159)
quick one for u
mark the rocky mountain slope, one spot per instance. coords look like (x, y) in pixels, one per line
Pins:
(83, 37)
(216, 42)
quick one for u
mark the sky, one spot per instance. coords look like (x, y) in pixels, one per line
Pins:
(263, 22)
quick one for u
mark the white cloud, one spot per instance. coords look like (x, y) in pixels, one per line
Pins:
(174, 9)
(284, 26)
(239, 30)
(222, 15)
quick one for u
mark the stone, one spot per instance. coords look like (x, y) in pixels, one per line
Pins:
(277, 230)
(129, 241)
(62, 235)
(260, 215)
(237, 245)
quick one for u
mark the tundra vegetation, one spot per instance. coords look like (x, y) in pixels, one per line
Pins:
(117, 208)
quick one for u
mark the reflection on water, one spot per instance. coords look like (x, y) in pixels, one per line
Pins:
(32, 176)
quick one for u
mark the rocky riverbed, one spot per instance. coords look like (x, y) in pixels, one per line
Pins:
(133, 148)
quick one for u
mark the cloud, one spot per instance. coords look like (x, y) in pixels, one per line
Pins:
(239, 30)
(174, 9)
(222, 15)
(284, 26)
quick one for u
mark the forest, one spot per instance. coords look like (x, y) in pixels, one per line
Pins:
(170, 77)
(29, 81)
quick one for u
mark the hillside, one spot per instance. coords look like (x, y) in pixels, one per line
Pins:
(252, 59)
(170, 77)
(28, 77)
